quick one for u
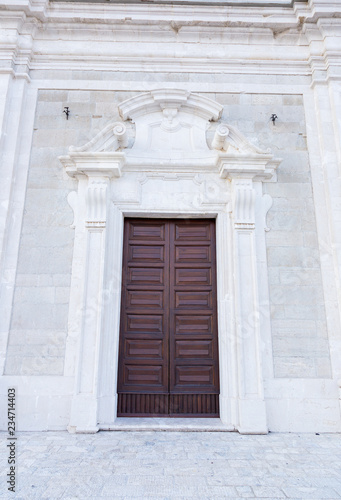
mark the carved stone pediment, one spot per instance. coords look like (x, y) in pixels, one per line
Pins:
(170, 133)
(170, 124)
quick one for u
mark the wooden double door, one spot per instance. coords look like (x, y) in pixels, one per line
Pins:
(168, 357)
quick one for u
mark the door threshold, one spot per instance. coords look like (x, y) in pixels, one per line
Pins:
(168, 424)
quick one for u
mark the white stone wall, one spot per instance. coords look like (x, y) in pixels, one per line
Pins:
(40, 308)
(36, 344)
(256, 62)
(298, 320)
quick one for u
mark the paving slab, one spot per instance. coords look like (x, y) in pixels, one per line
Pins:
(167, 465)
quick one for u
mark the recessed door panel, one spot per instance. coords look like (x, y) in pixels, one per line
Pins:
(192, 254)
(193, 349)
(142, 230)
(193, 325)
(144, 323)
(145, 276)
(193, 376)
(191, 277)
(196, 232)
(190, 300)
(145, 349)
(146, 253)
(143, 375)
(145, 300)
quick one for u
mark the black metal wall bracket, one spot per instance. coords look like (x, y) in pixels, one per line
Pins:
(273, 118)
(66, 111)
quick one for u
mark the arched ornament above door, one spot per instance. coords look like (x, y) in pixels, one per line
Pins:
(171, 131)
(169, 135)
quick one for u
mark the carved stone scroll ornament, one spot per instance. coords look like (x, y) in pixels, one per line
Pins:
(266, 203)
(227, 138)
(220, 137)
(111, 138)
(72, 200)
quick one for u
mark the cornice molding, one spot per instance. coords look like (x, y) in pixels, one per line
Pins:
(220, 12)
(93, 164)
(182, 24)
(140, 13)
(324, 39)
(31, 8)
(260, 167)
(180, 64)
(228, 3)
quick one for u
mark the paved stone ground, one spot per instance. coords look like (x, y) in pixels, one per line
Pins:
(175, 465)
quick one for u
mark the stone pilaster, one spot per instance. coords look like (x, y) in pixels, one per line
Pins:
(252, 411)
(91, 209)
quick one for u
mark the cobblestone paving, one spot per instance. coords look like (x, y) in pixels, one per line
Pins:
(175, 465)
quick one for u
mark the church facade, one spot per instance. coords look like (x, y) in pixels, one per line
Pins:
(171, 214)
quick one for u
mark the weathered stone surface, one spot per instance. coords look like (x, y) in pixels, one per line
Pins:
(90, 57)
(46, 245)
(175, 465)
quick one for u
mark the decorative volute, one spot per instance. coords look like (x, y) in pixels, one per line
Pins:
(111, 138)
(98, 156)
(238, 156)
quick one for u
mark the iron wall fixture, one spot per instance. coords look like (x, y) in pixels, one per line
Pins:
(273, 118)
(66, 111)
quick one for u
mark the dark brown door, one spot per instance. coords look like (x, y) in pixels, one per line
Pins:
(168, 359)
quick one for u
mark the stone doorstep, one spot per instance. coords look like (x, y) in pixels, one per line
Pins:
(168, 424)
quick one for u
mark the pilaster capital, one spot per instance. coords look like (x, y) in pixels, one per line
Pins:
(98, 168)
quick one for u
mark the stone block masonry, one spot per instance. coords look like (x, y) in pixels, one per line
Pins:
(300, 343)
(41, 299)
(40, 309)
(179, 465)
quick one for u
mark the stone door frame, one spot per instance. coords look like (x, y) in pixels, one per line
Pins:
(223, 181)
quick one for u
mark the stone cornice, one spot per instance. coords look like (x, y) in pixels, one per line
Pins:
(163, 12)
(256, 167)
(324, 39)
(284, 39)
(281, 66)
(31, 8)
(278, 12)
(16, 42)
(238, 3)
(106, 30)
(128, 13)
(93, 164)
